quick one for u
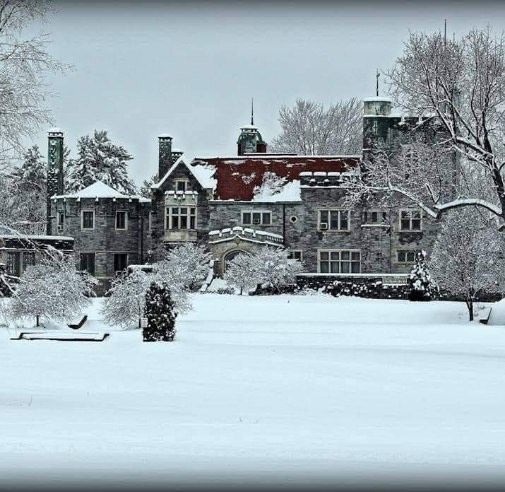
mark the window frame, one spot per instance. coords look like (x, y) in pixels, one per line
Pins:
(262, 213)
(169, 218)
(350, 261)
(406, 252)
(329, 221)
(115, 255)
(410, 211)
(88, 254)
(82, 220)
(125, 228)
(181, 180)
(60, 224)
(295, 251)
(382, 217)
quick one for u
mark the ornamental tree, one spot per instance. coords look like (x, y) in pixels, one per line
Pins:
(52, 289)
(420, 282)
(160, 313)
(468, 257)
(125, 301)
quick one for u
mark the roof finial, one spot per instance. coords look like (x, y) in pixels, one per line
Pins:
(377, 75)
(252, 111)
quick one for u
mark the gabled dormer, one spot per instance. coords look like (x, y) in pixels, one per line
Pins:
(180, 199)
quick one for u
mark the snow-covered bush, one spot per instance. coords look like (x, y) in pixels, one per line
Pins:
(240, 273)
(468, 257)
(420, 282)
(169, 273)
(270, 268)
(160, 313)
(53, 289)
(190, 264)
(125, 303)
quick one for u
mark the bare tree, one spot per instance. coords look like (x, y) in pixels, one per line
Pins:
(24, 62)
(310, 129)
(458, 85)
(467, 259)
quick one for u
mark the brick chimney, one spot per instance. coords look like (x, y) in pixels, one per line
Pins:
(54, 169)
(165, 155)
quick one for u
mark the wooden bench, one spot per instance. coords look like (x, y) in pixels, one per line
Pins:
(484, 317)
(78, 325)
(61, 336)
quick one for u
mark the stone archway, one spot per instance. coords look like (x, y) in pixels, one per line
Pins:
(229, 255)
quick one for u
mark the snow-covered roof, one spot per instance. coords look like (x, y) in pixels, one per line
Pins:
(288, 192)
(377, 99)
(36, 237)
(98, 190)
(202, 173)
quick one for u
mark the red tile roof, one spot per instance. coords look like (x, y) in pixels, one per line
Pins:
(238, 176)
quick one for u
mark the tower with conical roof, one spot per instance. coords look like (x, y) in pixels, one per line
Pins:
(250, 140)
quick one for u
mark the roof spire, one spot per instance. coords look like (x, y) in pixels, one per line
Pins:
(252, 111)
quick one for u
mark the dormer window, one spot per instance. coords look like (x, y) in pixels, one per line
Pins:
(181, 185)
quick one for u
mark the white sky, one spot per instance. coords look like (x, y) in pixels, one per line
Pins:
(190, 68)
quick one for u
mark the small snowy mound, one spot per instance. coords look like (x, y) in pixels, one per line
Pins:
(497, 316)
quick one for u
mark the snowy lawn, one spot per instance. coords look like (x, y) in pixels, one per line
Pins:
(261, 388)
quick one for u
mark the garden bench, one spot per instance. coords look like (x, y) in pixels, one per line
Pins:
(76, 326)
(61, 336)
(484, 315)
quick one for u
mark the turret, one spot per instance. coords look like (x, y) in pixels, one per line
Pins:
(376, 120)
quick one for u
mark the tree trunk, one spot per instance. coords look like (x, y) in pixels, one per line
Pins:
(469, 305)
(38, 320)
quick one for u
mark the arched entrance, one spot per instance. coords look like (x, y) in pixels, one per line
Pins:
(230, 255)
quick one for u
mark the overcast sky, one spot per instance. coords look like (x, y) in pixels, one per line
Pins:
(190, 68)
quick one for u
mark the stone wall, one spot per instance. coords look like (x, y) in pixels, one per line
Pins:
(159, 237)
(105, 240)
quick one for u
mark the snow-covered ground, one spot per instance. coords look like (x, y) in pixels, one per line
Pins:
(255, 389)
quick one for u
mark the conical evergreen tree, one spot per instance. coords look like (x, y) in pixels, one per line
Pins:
(100, 160)
(160, 314)
(421, 285)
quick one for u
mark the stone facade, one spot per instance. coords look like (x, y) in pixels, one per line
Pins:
(316, 225)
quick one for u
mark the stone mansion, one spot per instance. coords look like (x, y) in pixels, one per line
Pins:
(235, 204)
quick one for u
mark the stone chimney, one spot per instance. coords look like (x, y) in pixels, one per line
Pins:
(54, 170)
(176, 153)
(165, 155)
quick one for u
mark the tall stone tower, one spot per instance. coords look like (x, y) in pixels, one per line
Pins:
(54, 170)
(165, 155)
(376, 121)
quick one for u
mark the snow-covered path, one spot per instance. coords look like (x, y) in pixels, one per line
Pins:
(263, 388)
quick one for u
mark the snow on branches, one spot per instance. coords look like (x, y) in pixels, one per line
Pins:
(420, 281)
(190, 263)
(125, 301)
(458, 85)
(267, 267)
(53, 289)
(160, 313)
(100, 160)
(468, 257)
